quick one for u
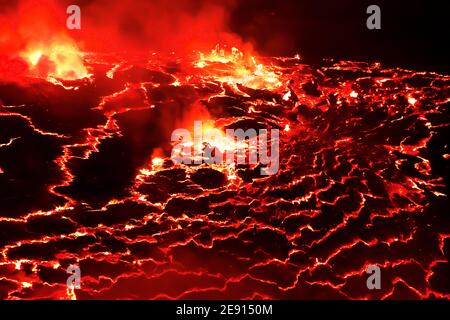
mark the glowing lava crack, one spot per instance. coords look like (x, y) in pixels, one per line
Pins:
(86, 179)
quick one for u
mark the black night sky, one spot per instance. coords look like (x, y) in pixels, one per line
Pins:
(414, 34)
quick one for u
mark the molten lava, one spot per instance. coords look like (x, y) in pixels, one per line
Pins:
(238, 69)
(87, 179)
(58, 59)
(356, 185)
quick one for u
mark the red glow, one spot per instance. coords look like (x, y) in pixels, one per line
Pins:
(86, 175)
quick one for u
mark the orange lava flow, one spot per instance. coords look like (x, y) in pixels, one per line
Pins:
(86, 178)
(57, 59)
(243, 69)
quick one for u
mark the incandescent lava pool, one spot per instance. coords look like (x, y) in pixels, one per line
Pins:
(86, 178)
